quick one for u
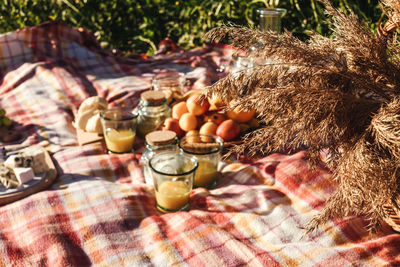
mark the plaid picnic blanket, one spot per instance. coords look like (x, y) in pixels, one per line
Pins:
(99, 211)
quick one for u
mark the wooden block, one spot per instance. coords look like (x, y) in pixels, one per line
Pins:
(87, 138)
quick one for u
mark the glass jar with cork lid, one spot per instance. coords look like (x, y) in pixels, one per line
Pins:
(152, 112)
(156, 142)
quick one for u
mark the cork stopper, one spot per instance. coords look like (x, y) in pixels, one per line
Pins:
(201, 144)
(153, 98)
(201, 148)
(160, 138)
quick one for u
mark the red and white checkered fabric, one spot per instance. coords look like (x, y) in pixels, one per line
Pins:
(100, 212)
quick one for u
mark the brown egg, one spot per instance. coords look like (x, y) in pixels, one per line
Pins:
(193, 136)
(240, 115)
(179, 109)
(228, 130)
(192, 132)
(172, 124)
(188, 122)
(216, 117)
(197, 104)
(209, 128)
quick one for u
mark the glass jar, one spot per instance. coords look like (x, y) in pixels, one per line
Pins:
(270, 19)
(119, 129)
(207, 149)
(173, 174)
(152, 112)
(156, 142)
(170, 82)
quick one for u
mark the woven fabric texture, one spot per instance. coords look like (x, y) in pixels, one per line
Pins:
(100, 212)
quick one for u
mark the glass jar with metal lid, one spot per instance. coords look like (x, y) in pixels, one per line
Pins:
(153, 110)
(156, 142)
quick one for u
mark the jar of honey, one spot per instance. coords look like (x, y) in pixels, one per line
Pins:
(153, 110)
(156, 142)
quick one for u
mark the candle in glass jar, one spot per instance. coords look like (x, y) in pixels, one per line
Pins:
(206, 173)
(172, 195)
(206, 148)
(119, 141)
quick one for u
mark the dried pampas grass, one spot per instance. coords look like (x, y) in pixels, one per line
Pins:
(340, 93)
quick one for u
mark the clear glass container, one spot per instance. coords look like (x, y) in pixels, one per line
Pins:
(173, 174)
(207, 149)
(152, 112)
(170, 81)
(119, 129)
(157, 142)
(242, 63)
(270, 19)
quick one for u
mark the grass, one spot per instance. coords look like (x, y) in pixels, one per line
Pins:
(137, 26)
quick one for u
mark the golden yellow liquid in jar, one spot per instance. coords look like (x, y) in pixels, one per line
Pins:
(172, 195)
(206, 173)
(119, 141)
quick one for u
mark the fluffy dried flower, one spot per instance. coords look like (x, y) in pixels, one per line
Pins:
(339, 94)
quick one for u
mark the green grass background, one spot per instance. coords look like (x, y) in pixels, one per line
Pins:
(137, 26)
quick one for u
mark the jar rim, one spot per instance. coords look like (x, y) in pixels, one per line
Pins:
(271, 11)
(191, 158)
(153, 103)
(168, 76)
(126, 114)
